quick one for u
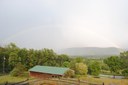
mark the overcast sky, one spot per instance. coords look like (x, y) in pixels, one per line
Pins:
(59, 24)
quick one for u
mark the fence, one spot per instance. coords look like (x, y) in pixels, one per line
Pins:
(67, 81)
(61, 81)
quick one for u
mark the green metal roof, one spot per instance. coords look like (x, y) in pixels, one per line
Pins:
(49, 69)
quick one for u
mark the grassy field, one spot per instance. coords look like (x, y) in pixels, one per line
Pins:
(107, 81)
(10, 79)
(91, 81)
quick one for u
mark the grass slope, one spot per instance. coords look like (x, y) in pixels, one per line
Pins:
(10, 79)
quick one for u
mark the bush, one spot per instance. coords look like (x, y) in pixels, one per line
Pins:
(19, 70)
(69, 74)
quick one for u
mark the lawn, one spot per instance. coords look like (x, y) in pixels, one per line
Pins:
(10, 79)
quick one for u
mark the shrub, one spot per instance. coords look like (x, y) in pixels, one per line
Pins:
(18, 70)
(69, 73)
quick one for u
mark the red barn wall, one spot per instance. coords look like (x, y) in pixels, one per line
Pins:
(43, 75)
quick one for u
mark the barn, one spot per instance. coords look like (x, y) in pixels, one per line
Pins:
(47, 72)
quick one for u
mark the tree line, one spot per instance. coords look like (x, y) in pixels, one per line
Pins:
(118, 64)
(11, 55)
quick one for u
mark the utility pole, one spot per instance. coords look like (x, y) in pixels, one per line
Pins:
(4, 65)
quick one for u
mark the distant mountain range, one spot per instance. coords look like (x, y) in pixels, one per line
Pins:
(91, 51)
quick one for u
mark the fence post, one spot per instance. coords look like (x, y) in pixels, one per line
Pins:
(103, 83)
(78, 81)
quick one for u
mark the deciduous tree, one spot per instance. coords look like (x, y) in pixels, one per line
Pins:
(114, 63)
(81, 69)
(94, 68)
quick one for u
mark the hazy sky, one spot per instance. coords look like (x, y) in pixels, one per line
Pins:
(61, 24)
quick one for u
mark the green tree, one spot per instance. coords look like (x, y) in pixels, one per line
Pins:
(81, 69)
(79, 60)
(50, 57)
(12, 48)
(114, 63)
(61, 59)
(13, 59)
(41, 57)
(72, 64)
(125, 72)
(31, 59)
(2, 59)
(66, 64)
(94, 68)
(124, 58)
(23, 53)
(11, 56)
(105, 67)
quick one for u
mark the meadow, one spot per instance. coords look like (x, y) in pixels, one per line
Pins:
(107, 81)
(89, 79)
(10, 79)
